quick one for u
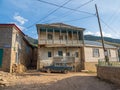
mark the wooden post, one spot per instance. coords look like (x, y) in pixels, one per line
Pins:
(72, 36)
(53, 35)
(60, 36)
(77, 37)
(67, 36)
(105, 51)
(46, 35)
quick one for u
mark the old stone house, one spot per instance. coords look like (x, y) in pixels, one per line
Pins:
(16, 53)
(61, 42)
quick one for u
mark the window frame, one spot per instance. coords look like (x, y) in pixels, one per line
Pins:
(49, 54)
(96, 52)
(60, 53)
(50, 36)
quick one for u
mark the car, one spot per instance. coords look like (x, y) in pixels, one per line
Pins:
(58, 67)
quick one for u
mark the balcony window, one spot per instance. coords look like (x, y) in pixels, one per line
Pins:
(96, 52)
(50, 37)
(76, 54)
(68, 54)
(49, 54)
(60, 53)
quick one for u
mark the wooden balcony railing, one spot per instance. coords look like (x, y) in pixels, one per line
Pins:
(69, 42)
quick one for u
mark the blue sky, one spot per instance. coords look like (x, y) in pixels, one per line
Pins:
(25, 13)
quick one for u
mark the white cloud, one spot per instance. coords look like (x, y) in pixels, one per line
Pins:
(20, 19)
(88, 33)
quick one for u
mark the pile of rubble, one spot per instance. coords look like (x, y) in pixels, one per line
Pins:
(6, 78)
(3, 81)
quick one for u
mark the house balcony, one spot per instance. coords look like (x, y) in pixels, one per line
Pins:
(65, 59)
(61, 42)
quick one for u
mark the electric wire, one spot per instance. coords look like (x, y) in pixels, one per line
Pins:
(49, 14)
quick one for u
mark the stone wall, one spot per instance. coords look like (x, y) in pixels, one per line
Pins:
(5, 44)
(24, 51)
(108, 73)
(44, 60)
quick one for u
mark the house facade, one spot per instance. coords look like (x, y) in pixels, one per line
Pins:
(60, 42)
(94, 52)
(15, 51)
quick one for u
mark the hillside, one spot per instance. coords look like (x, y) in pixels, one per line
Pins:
(32, 41)
(111, 41)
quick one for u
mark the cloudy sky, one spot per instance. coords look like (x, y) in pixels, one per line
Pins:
(26, 13)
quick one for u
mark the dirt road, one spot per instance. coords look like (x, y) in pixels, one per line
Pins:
(56, 81)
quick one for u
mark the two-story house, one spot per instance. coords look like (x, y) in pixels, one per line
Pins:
(60, 42)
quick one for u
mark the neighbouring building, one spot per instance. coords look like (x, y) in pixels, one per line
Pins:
(16, 53)
(94, 51)
(61, 42)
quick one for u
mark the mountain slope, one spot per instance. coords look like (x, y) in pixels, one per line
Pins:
(111, 41)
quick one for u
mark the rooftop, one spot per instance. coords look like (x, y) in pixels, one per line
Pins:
(96, 44)
(60, 25)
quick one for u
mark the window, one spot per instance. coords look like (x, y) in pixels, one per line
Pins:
(76, 54)
(68, 54)
(96, 52)
(27, 49)
(49, 54)
(108, 52)
(50, 37)
(60, 53)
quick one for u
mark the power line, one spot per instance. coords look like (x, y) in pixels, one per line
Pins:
(78, 19)
(67, 13)
(64, 7)
(110, 28)
(50, 13)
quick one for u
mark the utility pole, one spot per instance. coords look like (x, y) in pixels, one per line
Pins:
(105, 51)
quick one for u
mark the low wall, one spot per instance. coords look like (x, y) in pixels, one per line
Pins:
(90, 66)
(108, 73)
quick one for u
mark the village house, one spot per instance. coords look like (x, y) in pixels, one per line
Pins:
(93, 52)
(61, 42)
(16, 53)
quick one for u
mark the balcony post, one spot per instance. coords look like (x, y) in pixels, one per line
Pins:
(53, 35)
(72, 36)
(60, 36)
(67, 36)
(77, 37)
(46, 35)
(39, 35)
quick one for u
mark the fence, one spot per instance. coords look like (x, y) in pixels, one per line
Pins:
(112, 62)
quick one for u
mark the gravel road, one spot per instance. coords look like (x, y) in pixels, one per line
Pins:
(33, 80)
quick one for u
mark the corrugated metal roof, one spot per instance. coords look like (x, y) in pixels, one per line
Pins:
(97, 44)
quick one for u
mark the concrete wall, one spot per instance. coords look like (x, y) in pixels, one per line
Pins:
(91, 61)
(5, 44)
(111, 74)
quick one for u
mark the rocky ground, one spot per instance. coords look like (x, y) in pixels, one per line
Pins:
(33, 80)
